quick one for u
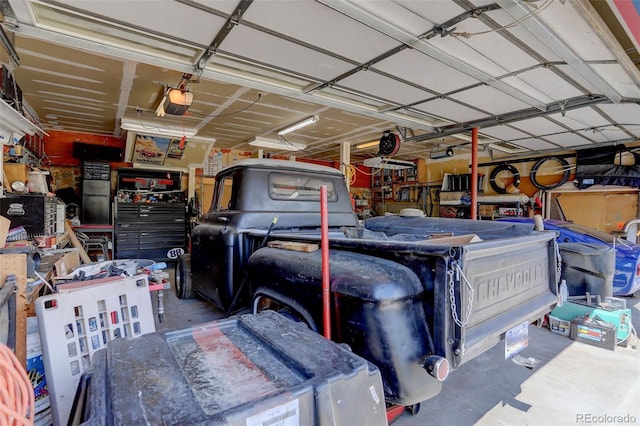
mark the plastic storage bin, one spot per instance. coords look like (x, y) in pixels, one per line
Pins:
(246, 370)
(588, 268)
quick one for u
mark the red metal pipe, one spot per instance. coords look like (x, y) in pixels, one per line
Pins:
(474, 173)
(324, 244)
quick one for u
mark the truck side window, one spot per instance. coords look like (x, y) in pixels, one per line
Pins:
(223, 199)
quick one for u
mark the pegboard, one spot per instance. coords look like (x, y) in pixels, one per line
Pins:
(78, 321)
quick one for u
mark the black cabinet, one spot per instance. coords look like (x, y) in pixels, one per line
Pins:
(35, 212)
(150, 215)
(96, 193)
(96, 202)
(150, 231)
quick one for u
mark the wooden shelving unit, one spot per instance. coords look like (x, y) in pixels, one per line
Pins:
(392, 190)
(16, 264)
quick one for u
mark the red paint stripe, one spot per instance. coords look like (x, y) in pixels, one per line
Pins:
(630, 16)
(241, 375)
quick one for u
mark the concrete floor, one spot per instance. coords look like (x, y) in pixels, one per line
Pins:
(573, 383)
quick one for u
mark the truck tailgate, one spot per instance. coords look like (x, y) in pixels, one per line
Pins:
(499, 285)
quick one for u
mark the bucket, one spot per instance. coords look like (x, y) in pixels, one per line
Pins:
(37, 182)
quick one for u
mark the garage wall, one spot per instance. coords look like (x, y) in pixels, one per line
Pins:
(604, 209)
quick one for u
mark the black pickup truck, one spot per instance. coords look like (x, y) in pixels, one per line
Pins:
(416, 296)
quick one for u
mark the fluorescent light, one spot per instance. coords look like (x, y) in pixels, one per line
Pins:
(506, 147)
(140, 126)
(368, 144)
(276, 144)
(388, 163)
(299, 125)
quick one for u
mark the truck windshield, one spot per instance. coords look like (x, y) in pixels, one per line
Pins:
(290, 186)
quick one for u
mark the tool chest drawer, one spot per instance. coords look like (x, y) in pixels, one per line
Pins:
(152, 231)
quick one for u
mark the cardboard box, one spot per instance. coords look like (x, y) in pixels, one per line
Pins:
(460, 239)
(14, 172)
(67, 263)
(4, 230)
(485, 210)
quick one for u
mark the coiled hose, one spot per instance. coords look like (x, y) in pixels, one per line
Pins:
(17, 401)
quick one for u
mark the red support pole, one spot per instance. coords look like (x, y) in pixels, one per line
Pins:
(474, 173)
(324, 245)
(394, 412)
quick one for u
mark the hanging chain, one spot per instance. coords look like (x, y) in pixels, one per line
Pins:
(559, 261)
(453, 273)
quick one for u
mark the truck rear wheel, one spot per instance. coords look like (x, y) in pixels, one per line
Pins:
(183, 278)
(263, 303)
(414, 409)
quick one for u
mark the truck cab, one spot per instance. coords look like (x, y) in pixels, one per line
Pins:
(247, 198)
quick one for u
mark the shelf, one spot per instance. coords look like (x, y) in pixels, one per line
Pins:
(14, 122)
(462, 210)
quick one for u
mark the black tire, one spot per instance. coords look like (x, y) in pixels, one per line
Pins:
(414, 409)
(502, 168)
(184, 290)
(565, 175)
(291, 314)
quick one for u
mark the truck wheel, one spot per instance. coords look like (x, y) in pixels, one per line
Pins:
(414, 409)
(292, 315)
(183, 278)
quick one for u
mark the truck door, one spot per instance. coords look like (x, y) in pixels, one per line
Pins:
(213, 263)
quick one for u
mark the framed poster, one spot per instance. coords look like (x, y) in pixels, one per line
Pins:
(176, 149)
(150, 149)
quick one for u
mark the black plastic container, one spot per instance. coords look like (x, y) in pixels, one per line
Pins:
(243, 370)
(588, 268)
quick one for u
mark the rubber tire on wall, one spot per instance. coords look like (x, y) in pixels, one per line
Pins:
(540, 162)
(184, 289)
(501, 168)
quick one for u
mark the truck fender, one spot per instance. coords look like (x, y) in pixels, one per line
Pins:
(281, 303)
(377, 309)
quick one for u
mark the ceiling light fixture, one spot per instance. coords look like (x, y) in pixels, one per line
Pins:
(368, 144)
(139, 126)
(388, 163)
(276, 144)
(299, 125)
(506, 147)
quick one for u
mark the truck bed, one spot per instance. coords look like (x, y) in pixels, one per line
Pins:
(500, 275)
